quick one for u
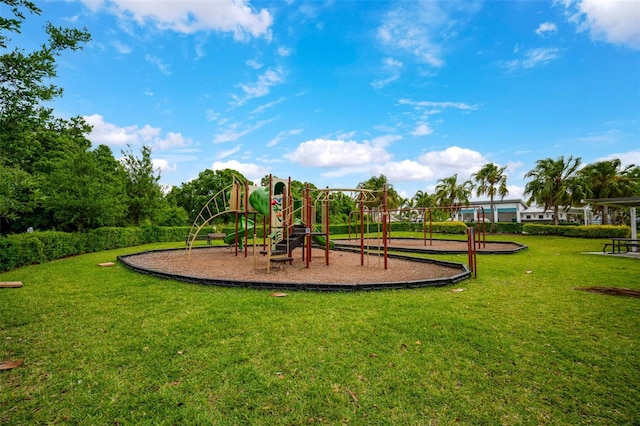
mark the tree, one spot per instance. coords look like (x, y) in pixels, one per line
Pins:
(492, 181)
(192, 196)
(144, 195)
(606, 179)
(31, 139)
(449, 193)
(24, 83)
(24, 77)
(376, 184)
(555, 184)
(85, 192)
(19, 195)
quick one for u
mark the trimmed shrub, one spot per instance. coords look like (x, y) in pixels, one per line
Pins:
(582, 231)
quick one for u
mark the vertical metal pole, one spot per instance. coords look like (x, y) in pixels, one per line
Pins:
(384, 223)
(361, 207)
(326, 237)
(309, 223)
(246, 219)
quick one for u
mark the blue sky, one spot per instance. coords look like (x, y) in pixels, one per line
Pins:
(334, 92)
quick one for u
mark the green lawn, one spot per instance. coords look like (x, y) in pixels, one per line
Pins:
(109, 346)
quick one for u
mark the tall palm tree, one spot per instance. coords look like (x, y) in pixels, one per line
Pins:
(606, 179)
(449, 193)
(555, 184)
(492, 181)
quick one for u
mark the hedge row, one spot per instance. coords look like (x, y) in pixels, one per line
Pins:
(38, 247)
(583, 231)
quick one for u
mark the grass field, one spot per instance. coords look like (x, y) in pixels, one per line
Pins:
(109, 346)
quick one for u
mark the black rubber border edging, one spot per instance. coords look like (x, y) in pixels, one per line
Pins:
(427, 250)
(464, 274)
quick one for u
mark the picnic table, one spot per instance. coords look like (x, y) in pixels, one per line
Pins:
(617, 244)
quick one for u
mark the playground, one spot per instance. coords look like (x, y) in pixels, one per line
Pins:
(294, 249)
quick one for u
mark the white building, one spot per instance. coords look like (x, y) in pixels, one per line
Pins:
(518, 211)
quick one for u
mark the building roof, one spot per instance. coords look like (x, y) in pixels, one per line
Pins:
(614, 202)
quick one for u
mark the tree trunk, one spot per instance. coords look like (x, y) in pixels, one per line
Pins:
(491, 218)
(556, 209)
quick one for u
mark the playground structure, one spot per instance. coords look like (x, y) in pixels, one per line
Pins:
(289, 223)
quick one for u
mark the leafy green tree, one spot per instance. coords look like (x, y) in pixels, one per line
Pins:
(31, 138)
(25, 82)
(82, 193)
(145, 199)
(192, 196)
(555, 184)
(607, 179)
(492, 181)
(19, 195)
(450, 193)
(340, 206)
(377, 184)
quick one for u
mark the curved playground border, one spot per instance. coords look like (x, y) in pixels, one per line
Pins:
(464, 274)
(427, 249)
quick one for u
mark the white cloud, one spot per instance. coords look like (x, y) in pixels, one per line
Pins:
(385, 140)
(211, 115)
(233, 132)
(261, 87)
(546, 28)
(421, 29)
(284, 51)
(597, 139)
(163, 165)
(453, 160)
(626, 158)
(110, 134)
(154, 60)
(121, 48)
(224, 154)
(613, 21)
(232, 16)
(531, 59)
(282, 135)
(422, 129)
(403, 171)
(263, 108)
(337, 153)
(438, 105)
(391, 68)
(254, 64)
(249, 170)
(171, 140)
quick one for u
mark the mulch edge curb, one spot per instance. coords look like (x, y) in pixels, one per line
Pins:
(465, 273)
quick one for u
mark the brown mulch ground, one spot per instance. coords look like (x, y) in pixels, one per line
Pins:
(612, 291)
(343, 267)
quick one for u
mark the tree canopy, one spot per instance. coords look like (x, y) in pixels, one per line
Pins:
(492, 181)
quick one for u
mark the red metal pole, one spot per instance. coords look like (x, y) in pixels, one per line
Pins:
(326, 238)
(384, 223)
(361, 206)
(307, 201)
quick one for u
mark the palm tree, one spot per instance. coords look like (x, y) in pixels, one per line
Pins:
(555, 183)
(449, 193)
(487, 178)
(606, 179)
(376, 184)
